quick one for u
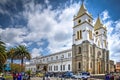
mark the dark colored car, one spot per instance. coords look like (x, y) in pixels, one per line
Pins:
(68, 74)
(49, 74)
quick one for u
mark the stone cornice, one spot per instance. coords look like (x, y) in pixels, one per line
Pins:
(83, 23)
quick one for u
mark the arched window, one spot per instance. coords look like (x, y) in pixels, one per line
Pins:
(80, 34)
(57, 68)
(90, 34)
(68, 66)
(79, 65)
(54, 68)
(99, 43)
(79, 48)
(105, 43)
(61, 67)
(51, 68)
(98, 54)
(77, 34)
(56, 57)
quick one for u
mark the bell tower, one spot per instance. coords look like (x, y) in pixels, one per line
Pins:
(82, 38)
(100, 34)
(83, 28)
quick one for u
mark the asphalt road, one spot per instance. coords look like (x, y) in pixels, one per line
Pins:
(52, 78)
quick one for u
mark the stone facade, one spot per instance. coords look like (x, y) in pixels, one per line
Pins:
(91, 58)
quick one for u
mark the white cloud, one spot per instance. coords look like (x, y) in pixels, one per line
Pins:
(12, 36)
(53, 25)
(43, 23)
(47, 1)
(36, 52)
(105, 15)
(113, 36)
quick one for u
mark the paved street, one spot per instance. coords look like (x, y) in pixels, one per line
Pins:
(52, 78)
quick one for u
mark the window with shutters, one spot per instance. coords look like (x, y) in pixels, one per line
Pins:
(57, 68)
(68, 66)
(56, 57)
(61, 67)
(54, 68)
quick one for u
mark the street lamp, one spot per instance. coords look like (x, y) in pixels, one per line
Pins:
(61, 65)
(25, 63)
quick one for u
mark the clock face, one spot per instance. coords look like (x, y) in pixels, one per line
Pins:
(89, 20)
(96, 32)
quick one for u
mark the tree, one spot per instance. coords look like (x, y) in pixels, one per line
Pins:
(3, 56)
(17, 67)
(21, 52)
(11, 54)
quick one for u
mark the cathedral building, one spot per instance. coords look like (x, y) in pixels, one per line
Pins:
(89, 49)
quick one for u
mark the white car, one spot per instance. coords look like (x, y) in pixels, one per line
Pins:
(82, 76)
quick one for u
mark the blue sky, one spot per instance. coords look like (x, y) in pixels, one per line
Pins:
(45, 26)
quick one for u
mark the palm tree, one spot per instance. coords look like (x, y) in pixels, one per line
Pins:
(3, 56)
(2, 47)
(11, 54)
(21, 52)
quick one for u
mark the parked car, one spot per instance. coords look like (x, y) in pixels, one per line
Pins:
(48, 74)
(83, 75)
(68, 74)
(39, 74)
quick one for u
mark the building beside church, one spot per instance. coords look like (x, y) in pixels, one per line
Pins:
(117, 67)
(112, 66)
(89, 49)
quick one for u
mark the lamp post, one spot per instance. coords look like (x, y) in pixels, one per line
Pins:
(61, 65)
(25, 64)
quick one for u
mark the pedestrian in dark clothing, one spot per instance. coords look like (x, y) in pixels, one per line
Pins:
(14, 76)
(107, 77)
(19, 77)
(112, 77)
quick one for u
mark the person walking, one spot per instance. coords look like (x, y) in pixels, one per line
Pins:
(3, 77)
(14, 76)
(107, 77)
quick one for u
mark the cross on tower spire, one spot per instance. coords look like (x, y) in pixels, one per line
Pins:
(82, 1)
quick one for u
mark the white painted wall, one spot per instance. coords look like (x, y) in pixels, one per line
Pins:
(31, 67)
(101, 37)
(85, 34)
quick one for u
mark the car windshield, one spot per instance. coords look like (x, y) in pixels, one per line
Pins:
(85, 73)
